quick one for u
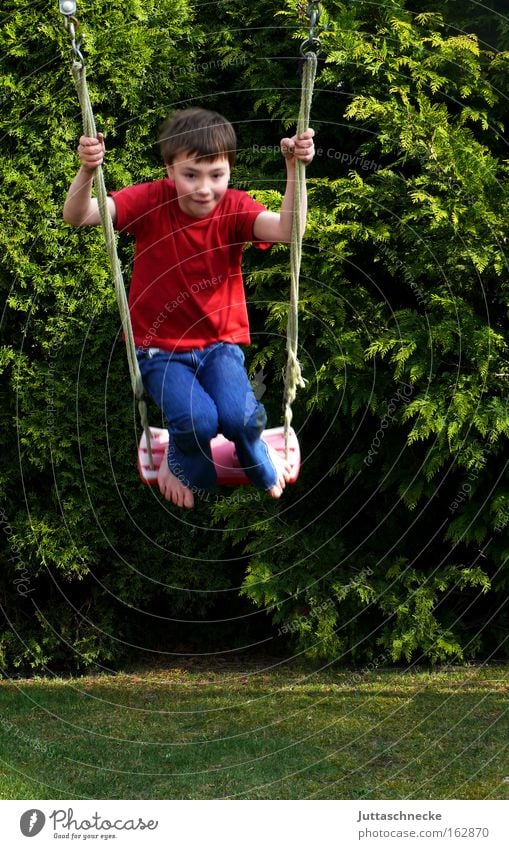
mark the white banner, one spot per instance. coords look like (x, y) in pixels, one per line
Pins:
(255, 824)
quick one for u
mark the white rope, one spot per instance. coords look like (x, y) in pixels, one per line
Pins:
(293, 373)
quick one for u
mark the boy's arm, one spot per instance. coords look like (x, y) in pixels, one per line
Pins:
(80, 208)
(277, 226)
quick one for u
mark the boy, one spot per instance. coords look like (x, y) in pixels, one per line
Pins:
(186, 297)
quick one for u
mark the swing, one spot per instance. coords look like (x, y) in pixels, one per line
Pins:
(228, 469)
(154, 441)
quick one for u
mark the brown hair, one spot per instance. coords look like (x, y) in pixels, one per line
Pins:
(197, 132)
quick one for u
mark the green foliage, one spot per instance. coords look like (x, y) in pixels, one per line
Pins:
(394, 540)
(100, 555)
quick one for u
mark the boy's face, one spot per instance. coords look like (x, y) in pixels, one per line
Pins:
(200, 184)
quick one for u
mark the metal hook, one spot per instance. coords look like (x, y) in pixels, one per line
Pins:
(313, 12)
(68, 10)
(310, 44)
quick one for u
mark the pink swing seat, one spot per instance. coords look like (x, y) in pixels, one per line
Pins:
(228, 469)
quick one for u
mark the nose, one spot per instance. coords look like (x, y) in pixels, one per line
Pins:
(203, 189)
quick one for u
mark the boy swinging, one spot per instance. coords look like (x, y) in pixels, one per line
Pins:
(186, 298)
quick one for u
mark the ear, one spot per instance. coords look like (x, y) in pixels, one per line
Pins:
(170, 172)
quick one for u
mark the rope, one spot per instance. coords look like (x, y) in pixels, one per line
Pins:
(89, 129)
(293, 373)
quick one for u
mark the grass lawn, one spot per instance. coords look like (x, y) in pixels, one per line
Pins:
(249, 730)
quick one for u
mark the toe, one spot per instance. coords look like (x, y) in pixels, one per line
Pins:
(188, 499)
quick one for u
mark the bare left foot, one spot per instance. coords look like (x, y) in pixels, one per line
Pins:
(283, 470)
(172, 488)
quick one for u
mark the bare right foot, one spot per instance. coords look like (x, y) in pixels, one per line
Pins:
(172, 488)
(283, 470)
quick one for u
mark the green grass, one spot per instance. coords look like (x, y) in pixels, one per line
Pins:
(251, 731)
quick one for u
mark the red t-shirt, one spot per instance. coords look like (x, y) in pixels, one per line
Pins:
(186, 288)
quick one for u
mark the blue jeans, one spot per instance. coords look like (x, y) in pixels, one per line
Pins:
(203, 392)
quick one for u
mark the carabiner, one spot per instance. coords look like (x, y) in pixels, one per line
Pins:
(68, 10)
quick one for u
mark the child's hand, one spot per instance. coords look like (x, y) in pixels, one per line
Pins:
(300, 147)
(91, 152)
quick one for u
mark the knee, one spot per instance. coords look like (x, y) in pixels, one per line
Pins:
(249, 421)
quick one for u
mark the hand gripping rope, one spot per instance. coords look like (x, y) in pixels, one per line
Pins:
(154, 441)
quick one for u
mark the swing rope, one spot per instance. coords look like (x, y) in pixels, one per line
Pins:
(89, 129)
(293, 372)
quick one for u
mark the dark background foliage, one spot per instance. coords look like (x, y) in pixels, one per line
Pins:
(394, 541)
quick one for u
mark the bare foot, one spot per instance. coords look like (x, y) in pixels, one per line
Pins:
(173, 489)
(283, 470)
